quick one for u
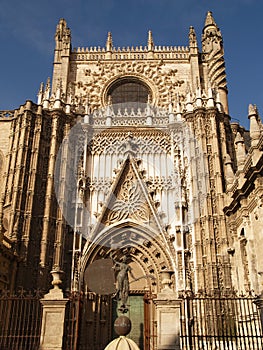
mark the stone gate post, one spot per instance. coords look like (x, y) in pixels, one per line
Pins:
(168, 315)
(53, 316)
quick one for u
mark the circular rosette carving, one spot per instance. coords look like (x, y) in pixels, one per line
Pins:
(130, 204)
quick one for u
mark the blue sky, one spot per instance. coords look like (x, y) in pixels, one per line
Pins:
(27, 39)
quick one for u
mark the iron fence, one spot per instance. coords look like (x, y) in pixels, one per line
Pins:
(72, 321)
(220, 323)
(20, 320)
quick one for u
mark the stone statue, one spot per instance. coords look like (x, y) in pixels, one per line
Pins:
(122, 270)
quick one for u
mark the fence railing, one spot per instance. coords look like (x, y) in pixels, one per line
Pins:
(208, 323)
(20, 320)
(72, 321)
(220, 323)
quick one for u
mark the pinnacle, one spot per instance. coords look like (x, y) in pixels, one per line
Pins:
(209, 19)
(150, 40)
(109, 44)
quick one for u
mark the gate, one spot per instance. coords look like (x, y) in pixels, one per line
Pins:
(72, 321)
(220, 323)
(207, 323)
(89, 321)
(20, 320)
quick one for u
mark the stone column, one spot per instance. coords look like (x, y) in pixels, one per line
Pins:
(53, 316)
(168, 315)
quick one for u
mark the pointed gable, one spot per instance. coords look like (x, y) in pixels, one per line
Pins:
(129, 199)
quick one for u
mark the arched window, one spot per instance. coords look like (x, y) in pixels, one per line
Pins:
(130, 91)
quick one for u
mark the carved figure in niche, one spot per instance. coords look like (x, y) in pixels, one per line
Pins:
(122, 270)
(82, 184)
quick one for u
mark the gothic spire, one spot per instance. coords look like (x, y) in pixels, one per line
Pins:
(213, 53)
(211, 34)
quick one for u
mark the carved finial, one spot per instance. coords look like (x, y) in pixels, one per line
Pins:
(150, 41)
(252, 109)
(209, 19)
(40, 94)
(254, 124)
(240, 150)
(109, 44)
(61, 28)
(47, 89)
(69, 94)
(58, 94)
(59, 89)
(210, 32)
(228, 170)
(192, 37)
(63, 34)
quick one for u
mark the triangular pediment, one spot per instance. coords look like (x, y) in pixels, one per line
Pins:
(130, 199)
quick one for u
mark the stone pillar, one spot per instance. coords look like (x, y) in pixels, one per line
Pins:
(53, 316)
(168, 315)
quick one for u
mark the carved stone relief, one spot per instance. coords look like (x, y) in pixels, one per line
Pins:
(146, 142)
(92, 81)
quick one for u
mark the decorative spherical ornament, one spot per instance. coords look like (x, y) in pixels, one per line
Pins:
(122, 325)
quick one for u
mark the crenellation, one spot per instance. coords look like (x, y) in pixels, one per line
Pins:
(128, 55)
(168, 50)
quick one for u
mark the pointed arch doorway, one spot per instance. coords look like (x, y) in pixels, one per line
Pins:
(147, 257)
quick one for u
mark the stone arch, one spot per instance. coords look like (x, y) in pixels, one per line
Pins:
(132, 77)
(145, 247)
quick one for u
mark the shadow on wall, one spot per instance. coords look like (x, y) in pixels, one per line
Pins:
(141, 338)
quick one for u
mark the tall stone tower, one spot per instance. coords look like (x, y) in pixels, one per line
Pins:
(131, 151)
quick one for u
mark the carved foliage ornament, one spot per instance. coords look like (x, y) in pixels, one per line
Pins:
(100, 75)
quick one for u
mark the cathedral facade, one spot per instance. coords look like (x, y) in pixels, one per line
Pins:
(132, 152)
